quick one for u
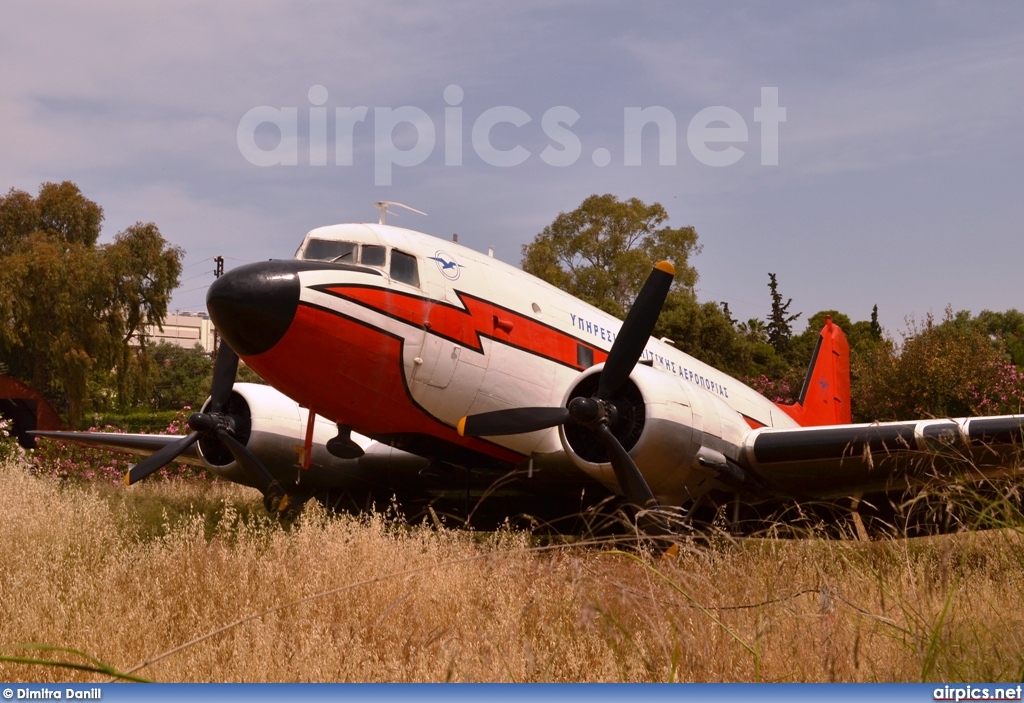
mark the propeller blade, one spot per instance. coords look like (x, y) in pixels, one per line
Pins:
(223, 377)
(636, 330)
(512, 421)
(248, 461)
(159, 459)
(632, 482)
(275, 498)
(633, 485)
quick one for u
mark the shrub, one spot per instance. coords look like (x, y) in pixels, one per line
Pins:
(947, 369)
(9, 447)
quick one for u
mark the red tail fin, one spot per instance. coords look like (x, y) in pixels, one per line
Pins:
(825, 397)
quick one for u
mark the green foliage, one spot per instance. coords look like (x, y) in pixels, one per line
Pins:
(68, 308)
(779, 328)
(704, 331)
(59, 211)
(180, 376)
(64, 213)
(876, 328)
(139, 420)
(602, 251)
(247, 375)
(1006, 327)
(953, 368)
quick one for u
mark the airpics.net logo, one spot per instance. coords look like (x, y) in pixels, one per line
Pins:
(715, 136)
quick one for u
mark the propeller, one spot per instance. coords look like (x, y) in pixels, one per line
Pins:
(598, 413)
(215, 422)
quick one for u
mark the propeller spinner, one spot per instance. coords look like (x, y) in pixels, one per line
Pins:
(599, 413)
(217, 424)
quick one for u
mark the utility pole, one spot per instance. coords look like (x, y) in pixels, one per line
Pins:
(218, 271)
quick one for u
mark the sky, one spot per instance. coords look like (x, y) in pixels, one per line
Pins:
(886, 170)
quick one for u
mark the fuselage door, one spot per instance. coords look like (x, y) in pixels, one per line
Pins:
(450, 323)
(439, 358)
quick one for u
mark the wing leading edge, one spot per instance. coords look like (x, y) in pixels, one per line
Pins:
(138, 444)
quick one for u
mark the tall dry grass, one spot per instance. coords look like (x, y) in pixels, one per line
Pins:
(336, 598)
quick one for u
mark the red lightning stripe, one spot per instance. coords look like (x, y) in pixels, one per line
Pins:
(466, 326)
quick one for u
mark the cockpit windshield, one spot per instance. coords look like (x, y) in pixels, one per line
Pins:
(404, 267)
(373, 255)
(330, 250)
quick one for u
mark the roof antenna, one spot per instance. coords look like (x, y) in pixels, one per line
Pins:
(383, 205)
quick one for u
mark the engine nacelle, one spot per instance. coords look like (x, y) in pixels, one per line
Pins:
(273, 427)
(670, 427)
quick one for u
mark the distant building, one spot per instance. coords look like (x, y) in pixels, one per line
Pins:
(185, 329)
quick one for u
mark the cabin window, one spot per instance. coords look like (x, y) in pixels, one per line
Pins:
(374, 255)
(329, 250)
(404, 269)
(584, 356)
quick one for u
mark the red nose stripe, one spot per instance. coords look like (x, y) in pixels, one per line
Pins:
(353, 373)
(466, 326)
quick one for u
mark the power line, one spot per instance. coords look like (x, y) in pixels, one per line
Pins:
(192, 290)
(196, 263)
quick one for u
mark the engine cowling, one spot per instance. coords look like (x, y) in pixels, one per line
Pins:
(672, 429)
(273, 427)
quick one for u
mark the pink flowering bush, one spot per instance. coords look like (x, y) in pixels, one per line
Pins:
(8, 442)
(66, 461)
(947, 369)
(1004, 394)
(775, 390)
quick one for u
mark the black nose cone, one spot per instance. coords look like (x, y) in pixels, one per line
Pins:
(253, 305)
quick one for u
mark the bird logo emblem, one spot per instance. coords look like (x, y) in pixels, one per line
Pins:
(447, 265)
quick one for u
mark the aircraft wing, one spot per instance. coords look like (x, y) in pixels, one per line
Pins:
(840, 460)
(138, 444)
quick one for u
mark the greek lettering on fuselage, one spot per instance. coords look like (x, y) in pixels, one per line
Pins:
(601, 332)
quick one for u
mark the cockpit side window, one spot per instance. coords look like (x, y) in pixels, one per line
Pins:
(374, 255)
(330, 250)
(404, 268)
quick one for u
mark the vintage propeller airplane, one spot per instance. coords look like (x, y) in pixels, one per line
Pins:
(448, 357)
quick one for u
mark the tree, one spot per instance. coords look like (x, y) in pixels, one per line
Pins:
(952, 368)
(704, 331)
(779, 328)
(1006, 327)
(602, 251)
(69, 308)
(19, 217)
(65, 213)
(876, 328)
(142, 272)
(59, 210)
(754, 330)
(728, 313)
(180, 376)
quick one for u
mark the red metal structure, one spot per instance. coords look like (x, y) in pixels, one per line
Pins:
(27, 409)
